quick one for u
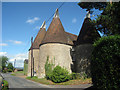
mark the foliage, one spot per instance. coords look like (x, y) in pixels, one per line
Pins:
(10, 66)
(91, 5)
(74, 76)
(59, 74)
(48, 68)
(109, 21)
(4, 71)
(9, 70)
(5, 85)
(105, 63)
(4, 60)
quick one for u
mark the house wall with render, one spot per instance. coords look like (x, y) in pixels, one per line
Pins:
(59, 54)
(36, 60)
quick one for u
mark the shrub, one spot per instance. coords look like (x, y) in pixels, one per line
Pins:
(9, 70)
(4, 71)
(105, 63)
(48, 69)
(5, 85)
(78, 76)
(72, 76)
(59, 75)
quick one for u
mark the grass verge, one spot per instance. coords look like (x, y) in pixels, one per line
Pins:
(13, 74)
(17, 73)
(70, 82)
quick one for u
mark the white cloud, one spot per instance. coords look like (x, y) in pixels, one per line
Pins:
(3, 44)
(15, 42)
(37, 27)
(19, 59)
(74, 20)
(36, 18)
(3, 53)
(30, 21)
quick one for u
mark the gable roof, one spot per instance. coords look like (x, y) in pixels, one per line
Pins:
(88, 34)
(56, 32)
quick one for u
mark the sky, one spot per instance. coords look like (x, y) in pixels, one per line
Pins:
(22, 20)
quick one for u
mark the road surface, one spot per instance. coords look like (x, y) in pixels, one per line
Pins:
(17, 82)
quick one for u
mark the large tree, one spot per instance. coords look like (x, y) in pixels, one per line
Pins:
(3, 60)
(91, 5)
(108, 22)
(10, 66)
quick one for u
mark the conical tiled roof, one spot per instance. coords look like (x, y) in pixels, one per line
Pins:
(56, 32)
(88, 34)
(73, 37)
(39, 37)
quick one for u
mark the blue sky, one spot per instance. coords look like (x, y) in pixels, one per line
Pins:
(22, 20)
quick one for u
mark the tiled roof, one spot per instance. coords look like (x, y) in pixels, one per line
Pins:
(39, 38)
(88, 34)
(56, 32)
(72, 36)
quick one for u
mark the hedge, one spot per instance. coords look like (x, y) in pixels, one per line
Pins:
(105, 63)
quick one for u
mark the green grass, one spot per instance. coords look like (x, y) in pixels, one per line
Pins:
(17, 73)
(13, 74)
(5, 86)
(43, 80)
(70, 82)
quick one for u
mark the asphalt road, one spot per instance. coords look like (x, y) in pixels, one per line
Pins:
(16, 82)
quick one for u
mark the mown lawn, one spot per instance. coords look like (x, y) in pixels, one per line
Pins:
(70, 82)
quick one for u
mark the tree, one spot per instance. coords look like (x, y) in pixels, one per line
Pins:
(90, 5)
(108, 22)
(10, 66)
(3, 60)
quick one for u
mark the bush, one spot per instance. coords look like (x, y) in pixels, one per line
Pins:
(77, 76)
(48, 69)
(5, 85)
(105, 63)
(9, 70)
(59, 75)
(72, 76)
(4, 71)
